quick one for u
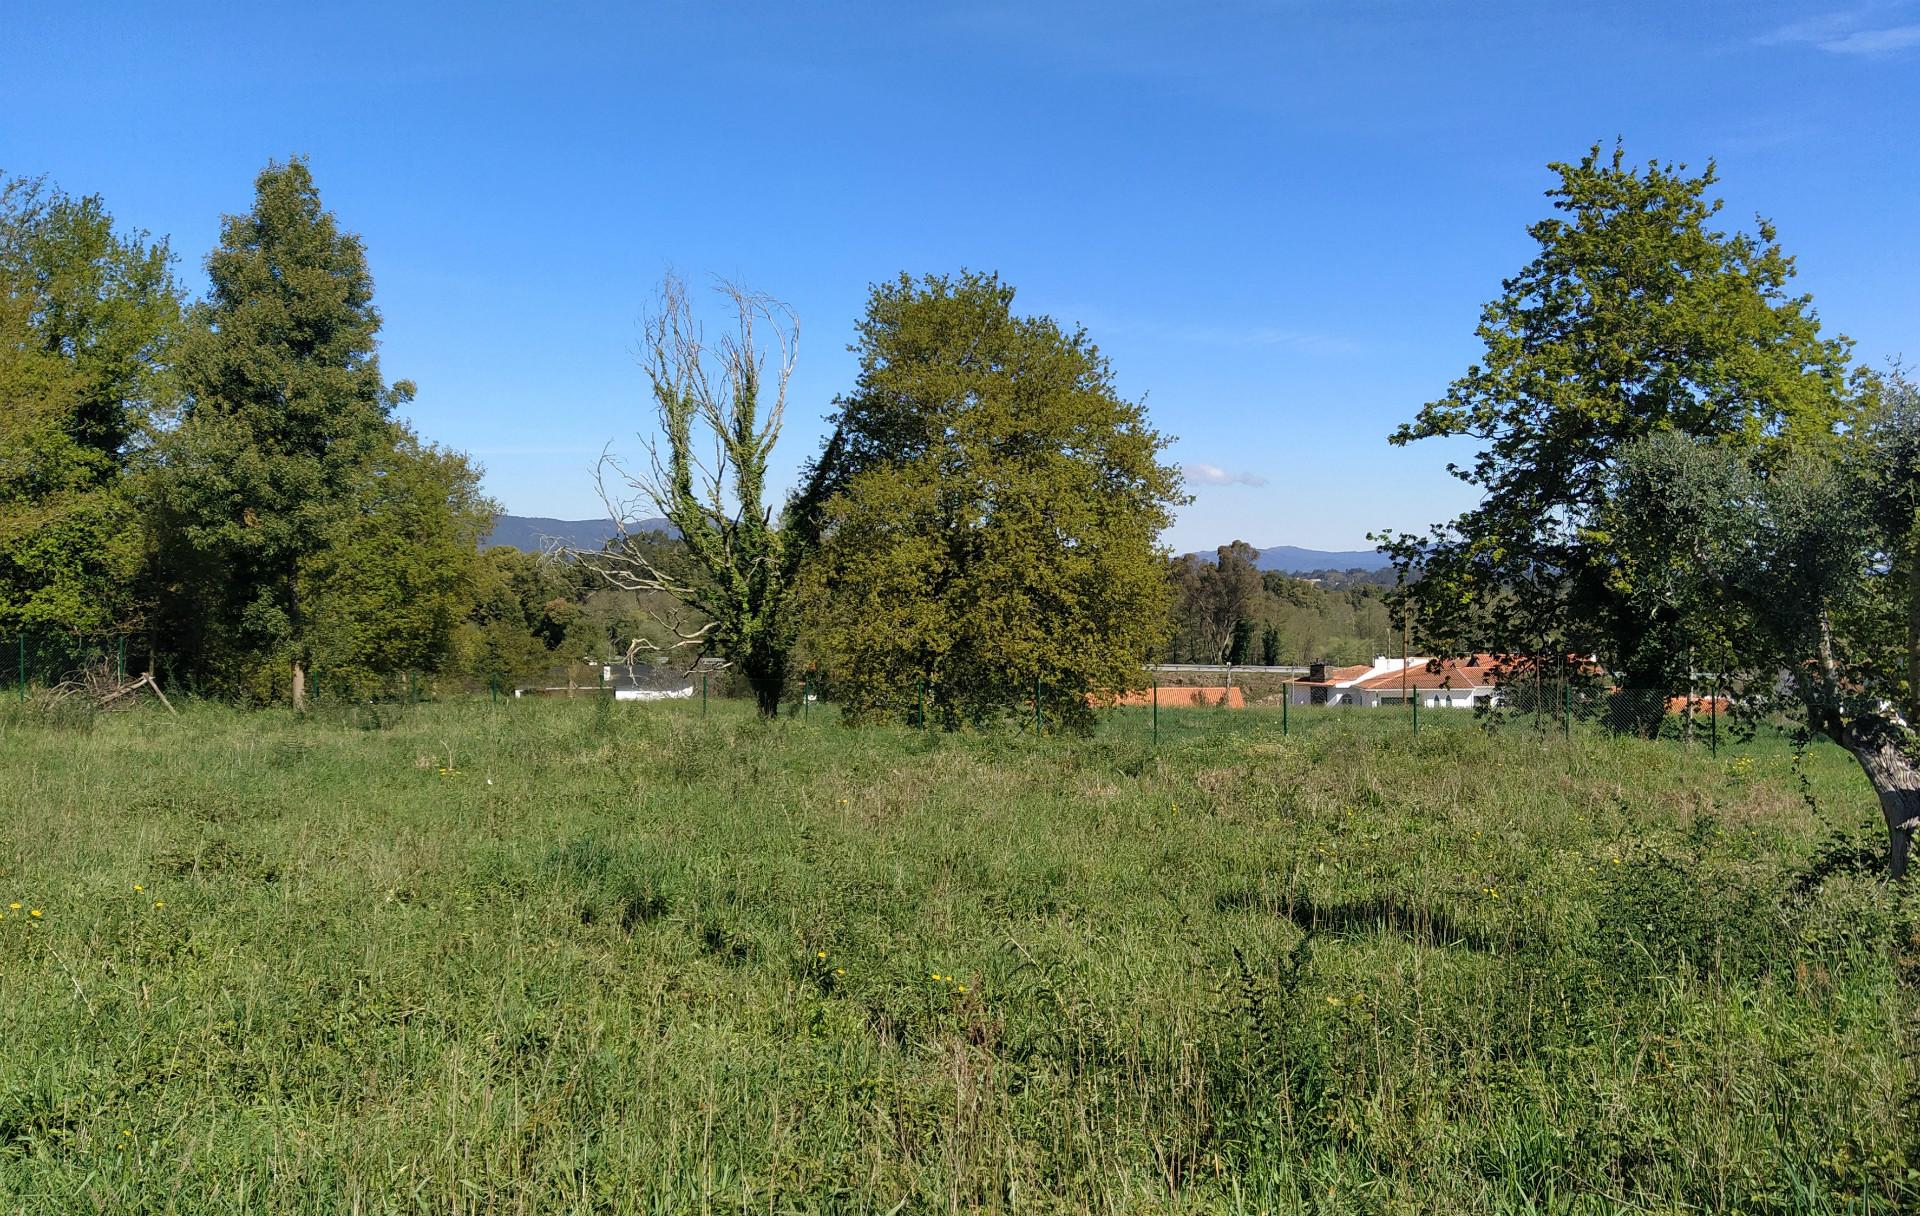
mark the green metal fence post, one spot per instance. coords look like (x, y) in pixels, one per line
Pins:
(1036, 707)
(1413, 695)
(703, 694)
(806, 695)
(1156, 709)
(1286, 700)
(1566, 711)
(120, 665)
(1713, 721)
(493, 690)
(22, 673)
(920, 694)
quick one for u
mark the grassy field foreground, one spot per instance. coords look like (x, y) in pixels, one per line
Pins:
(573, 957)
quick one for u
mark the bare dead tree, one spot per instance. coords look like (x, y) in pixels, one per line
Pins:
(718, 412)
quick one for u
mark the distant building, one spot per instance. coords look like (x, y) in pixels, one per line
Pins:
(622, 680)
(1434, 683)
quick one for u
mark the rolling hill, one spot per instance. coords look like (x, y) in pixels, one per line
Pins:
(532, 533)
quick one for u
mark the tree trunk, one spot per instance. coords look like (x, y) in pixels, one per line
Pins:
(299, 686)
(767, 676)
(1912, 706)
(1881, 748)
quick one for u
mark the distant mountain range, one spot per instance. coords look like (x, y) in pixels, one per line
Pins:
(532, 533)
(1290, 560)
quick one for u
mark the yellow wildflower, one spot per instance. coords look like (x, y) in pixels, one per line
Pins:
(15, 905)
(839, 970)
(35, 914)
(822, 954)
(159, 903)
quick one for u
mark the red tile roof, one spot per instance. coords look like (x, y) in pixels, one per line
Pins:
(1476, 672)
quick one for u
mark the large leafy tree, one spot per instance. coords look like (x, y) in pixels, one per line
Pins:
(1636, 316)
(284, 407)
(1808, 566)
(995, 516)
(718, 409)
(86, 316)
(399, 573)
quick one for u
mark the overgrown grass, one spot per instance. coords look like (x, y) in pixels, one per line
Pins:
(582, 957)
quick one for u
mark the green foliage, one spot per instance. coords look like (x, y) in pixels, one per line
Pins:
(519, 614)
(734, 566)
(1211, 599)
(495, 954)
(996, 511)
(395, 578)
(86, 315)
(1635, 317)
(1272, 618)
(285, 428)
(1808, 566)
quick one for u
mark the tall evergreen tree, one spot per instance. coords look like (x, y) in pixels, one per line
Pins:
(284, 405)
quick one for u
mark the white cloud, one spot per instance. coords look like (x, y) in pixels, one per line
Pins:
(1862, 31)
(1214, 475)
(1874, 42)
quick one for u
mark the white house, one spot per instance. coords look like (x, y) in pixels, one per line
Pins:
(1435, 683)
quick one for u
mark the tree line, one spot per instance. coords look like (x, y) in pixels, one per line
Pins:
(1677, 469)
(226, 478)
(1229, 611)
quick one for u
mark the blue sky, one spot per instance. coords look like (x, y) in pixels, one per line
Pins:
(1278, 219)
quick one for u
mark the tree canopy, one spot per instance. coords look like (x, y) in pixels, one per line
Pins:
(1636, 316)
(285, 448)
(995, 514)
(87, 314)
(1808, 567)
(736, 563)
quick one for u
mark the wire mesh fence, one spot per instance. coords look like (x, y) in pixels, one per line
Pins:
(29, 662)
(1537, 708)
(1524, 709)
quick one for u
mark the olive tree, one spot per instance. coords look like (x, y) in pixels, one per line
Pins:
(1810, 568)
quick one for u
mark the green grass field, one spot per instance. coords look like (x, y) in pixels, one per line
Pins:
(579, 957)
